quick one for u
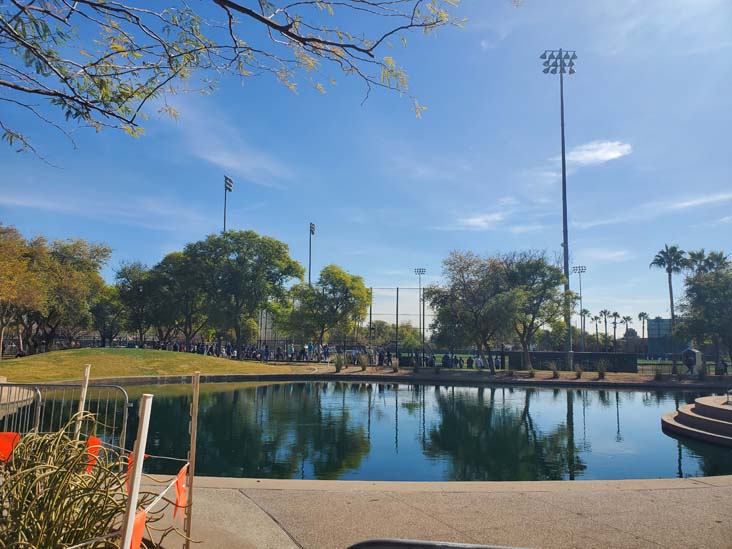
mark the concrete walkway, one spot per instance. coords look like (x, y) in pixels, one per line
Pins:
(250, 513)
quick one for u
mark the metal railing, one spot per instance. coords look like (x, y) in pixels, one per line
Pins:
(49, 407)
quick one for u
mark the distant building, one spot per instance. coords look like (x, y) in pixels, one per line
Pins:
(660, 342)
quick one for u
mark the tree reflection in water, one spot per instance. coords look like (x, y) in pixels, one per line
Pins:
(275, 431)
(410, 432)
(489, 442)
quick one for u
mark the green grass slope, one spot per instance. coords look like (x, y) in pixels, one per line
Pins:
(69, 364)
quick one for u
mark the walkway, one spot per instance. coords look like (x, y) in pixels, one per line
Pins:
(283, 514)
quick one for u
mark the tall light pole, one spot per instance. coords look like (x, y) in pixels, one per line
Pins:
(419, 272)
(562, 61)
(578, 270)
(310, 251)
(228, 187)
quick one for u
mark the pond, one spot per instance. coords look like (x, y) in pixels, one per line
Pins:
(371, 431)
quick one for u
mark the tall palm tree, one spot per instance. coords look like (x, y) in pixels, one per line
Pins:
(643, 317)
(626, 321)
(615, 316)
(696, 261)
(605, 314)
(584, 313)
(716, 261)
(596, 320)
(672, 260)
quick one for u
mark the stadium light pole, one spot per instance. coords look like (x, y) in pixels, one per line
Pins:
(419, 272)
(310, 252)
(562, 61)
(578, 270)
(228, 187)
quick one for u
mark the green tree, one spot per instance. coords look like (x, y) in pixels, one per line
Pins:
(243, 272)
(336, 302)
(15, 277)
(543, 300)
(596, 321)
(107, 314)
(643, 317)
(182, 280)
(134, 289)
(605, 314)
(478, 299)
(672, 260)
(707, 308)
(616, 317)
(98, 63)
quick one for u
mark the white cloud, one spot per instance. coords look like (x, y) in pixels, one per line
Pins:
(654, 210)
(481, 222)
(150, 212)
(597, 152)
(208, 135)
(604, 255)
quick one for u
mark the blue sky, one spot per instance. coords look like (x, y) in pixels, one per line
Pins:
(648, 117)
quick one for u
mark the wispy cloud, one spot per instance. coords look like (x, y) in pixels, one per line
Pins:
(604, 255)
(683, 26)
(592, 153)
(597, 152)
(208, 135)
(151, 212)
(656, 209)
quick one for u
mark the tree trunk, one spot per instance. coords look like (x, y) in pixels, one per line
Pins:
(237, 329)
(2, 339)
(526, 355)
(674, 370)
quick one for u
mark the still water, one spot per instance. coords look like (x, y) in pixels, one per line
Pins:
(374, 431)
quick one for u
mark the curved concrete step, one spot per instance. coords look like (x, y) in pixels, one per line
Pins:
(714, 407)
(689, 415)
(671, 425)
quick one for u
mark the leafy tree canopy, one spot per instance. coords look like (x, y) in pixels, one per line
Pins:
(98, 62)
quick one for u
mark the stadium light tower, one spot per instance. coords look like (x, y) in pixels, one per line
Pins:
(420, 310)
(562, 62)
(578, 270)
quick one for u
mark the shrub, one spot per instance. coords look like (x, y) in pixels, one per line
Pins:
(339, 362)
(658, 373)
(532, 373)
(578, 372)
(601, 369)
(363, 361)
(554, 370)
(52, 498)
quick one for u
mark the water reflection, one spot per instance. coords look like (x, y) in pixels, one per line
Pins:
(390, 432)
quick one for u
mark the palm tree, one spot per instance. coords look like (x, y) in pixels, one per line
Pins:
(626, 321)
(697, 261)
(672, 260)
(584, 313)
(605, 314)
(615, 316)
(643, 317)
(716, 261)
(596, 320)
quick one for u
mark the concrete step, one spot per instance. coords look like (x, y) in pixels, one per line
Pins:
(670, 424)
(689, 415)
(714, 407)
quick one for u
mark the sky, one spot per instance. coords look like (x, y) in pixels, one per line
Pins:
(648, 156)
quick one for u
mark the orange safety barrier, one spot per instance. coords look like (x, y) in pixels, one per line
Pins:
(180, 489)
(138, 529)
(93, 445)
(7, 444)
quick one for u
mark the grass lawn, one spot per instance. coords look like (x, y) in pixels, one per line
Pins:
(69, 364)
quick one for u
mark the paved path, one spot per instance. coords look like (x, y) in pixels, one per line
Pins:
(285, 514)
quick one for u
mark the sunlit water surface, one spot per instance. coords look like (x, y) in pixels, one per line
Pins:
(372, 431)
